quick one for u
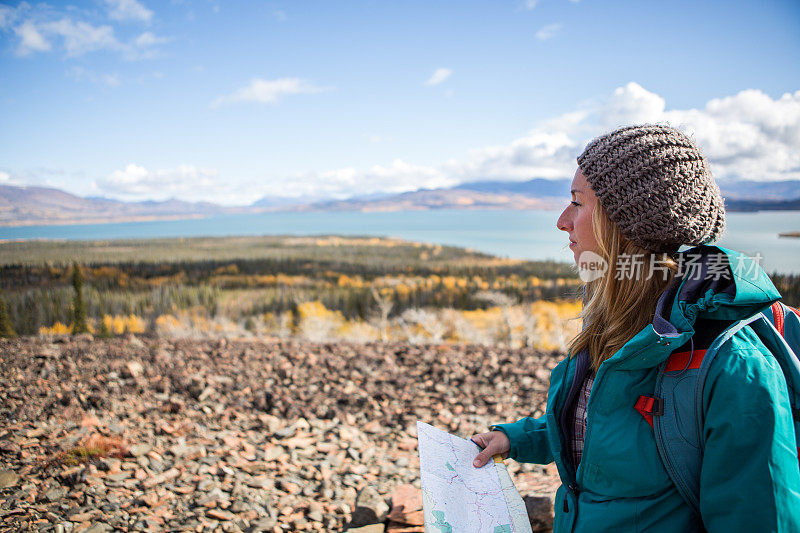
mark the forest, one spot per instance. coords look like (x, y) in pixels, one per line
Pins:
(320, 288)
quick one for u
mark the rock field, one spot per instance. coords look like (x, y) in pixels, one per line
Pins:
(135, 434)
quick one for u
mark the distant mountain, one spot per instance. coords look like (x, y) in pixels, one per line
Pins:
(542, 193)
(272, 202)
(41, 205)
(536, 188)
(21, 206)
(760, 190)
(762, 205)
(436, 199)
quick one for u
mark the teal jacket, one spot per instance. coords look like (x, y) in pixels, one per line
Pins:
(750, 478)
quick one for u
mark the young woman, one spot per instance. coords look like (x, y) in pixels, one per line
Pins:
(639, 194)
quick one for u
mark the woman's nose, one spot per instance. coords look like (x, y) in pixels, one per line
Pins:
(563, 222)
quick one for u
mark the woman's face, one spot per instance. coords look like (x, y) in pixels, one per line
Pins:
(576, 219)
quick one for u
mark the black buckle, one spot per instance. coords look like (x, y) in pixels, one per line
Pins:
(658, 406)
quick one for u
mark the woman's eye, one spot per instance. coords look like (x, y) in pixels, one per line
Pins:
(576, 204)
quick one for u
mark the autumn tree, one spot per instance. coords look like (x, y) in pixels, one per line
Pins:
(79, 324)
(6, 330)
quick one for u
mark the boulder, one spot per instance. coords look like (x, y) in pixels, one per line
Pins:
(370, 508)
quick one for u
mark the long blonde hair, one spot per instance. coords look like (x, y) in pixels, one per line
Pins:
(617, 307)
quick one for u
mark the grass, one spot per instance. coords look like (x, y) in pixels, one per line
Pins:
(92, 447)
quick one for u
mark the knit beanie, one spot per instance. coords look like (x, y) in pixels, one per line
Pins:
(654, 183)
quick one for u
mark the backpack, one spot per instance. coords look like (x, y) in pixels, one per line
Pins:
(675, 411)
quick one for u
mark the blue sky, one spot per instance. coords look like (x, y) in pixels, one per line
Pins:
(232, 101)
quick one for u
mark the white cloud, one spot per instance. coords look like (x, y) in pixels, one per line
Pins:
(81, 37)
(749, 135)
(9, 15)
(548, 32)
(82, 74)
(5, 177)
(186, 182)
(43, 28)
(128, 10)
(147, 39)
(269, 91)
(397, 177)
(30, 39)
(144, 46)
(631, 104)
(543, 153)
(530, 4)
(746, 136)
(279, 15)
(438, 76)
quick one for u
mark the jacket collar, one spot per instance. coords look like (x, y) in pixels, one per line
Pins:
(712, 282)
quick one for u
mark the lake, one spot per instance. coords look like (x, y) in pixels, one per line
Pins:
(518, 234)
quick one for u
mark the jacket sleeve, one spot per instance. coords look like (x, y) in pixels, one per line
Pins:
(750, 479)
(528, 438)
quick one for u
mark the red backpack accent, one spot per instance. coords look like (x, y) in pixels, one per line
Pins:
(777, 317)
(684, 361)
(649, 406)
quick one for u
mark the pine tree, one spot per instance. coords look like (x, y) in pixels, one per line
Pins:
(6, 330)
(79, 324)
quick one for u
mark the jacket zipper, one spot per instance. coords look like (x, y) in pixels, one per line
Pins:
(566, 446)
(572, 487)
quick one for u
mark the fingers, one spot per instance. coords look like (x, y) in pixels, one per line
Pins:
(493, 443)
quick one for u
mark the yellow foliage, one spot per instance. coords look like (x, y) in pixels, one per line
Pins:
(227, 269)
(402, 290)
(134, 324)
(347, 281)
(167, 321)
(386, 291)
(483, 319)
(56, 329)
(119, 324)
(449, 282)
(283, 279)
(316, 309)
(106, 272)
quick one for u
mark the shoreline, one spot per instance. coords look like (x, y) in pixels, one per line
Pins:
(108, 220)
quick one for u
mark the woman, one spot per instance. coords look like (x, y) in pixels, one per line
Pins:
(639, 194)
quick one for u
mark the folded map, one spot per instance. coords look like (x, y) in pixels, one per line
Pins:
(457, 497)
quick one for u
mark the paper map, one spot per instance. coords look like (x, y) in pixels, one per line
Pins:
(457, 497)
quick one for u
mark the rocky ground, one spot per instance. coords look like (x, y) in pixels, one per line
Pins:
(136, 434)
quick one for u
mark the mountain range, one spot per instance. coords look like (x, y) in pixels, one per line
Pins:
(41, 205)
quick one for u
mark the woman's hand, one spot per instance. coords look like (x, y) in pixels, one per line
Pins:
(493, 442)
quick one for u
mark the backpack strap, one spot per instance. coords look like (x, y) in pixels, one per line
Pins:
(777, 317)
(784, 343)
(678, 431)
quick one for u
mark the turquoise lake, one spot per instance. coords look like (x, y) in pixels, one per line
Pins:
(518, 234)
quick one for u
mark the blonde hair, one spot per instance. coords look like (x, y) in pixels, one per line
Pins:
(616, 307)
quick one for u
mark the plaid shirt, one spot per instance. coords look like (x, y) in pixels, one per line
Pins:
(579, 423)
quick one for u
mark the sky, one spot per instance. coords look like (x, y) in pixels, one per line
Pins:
(230, 102)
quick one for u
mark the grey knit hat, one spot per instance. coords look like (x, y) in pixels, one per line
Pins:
(656, 186)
